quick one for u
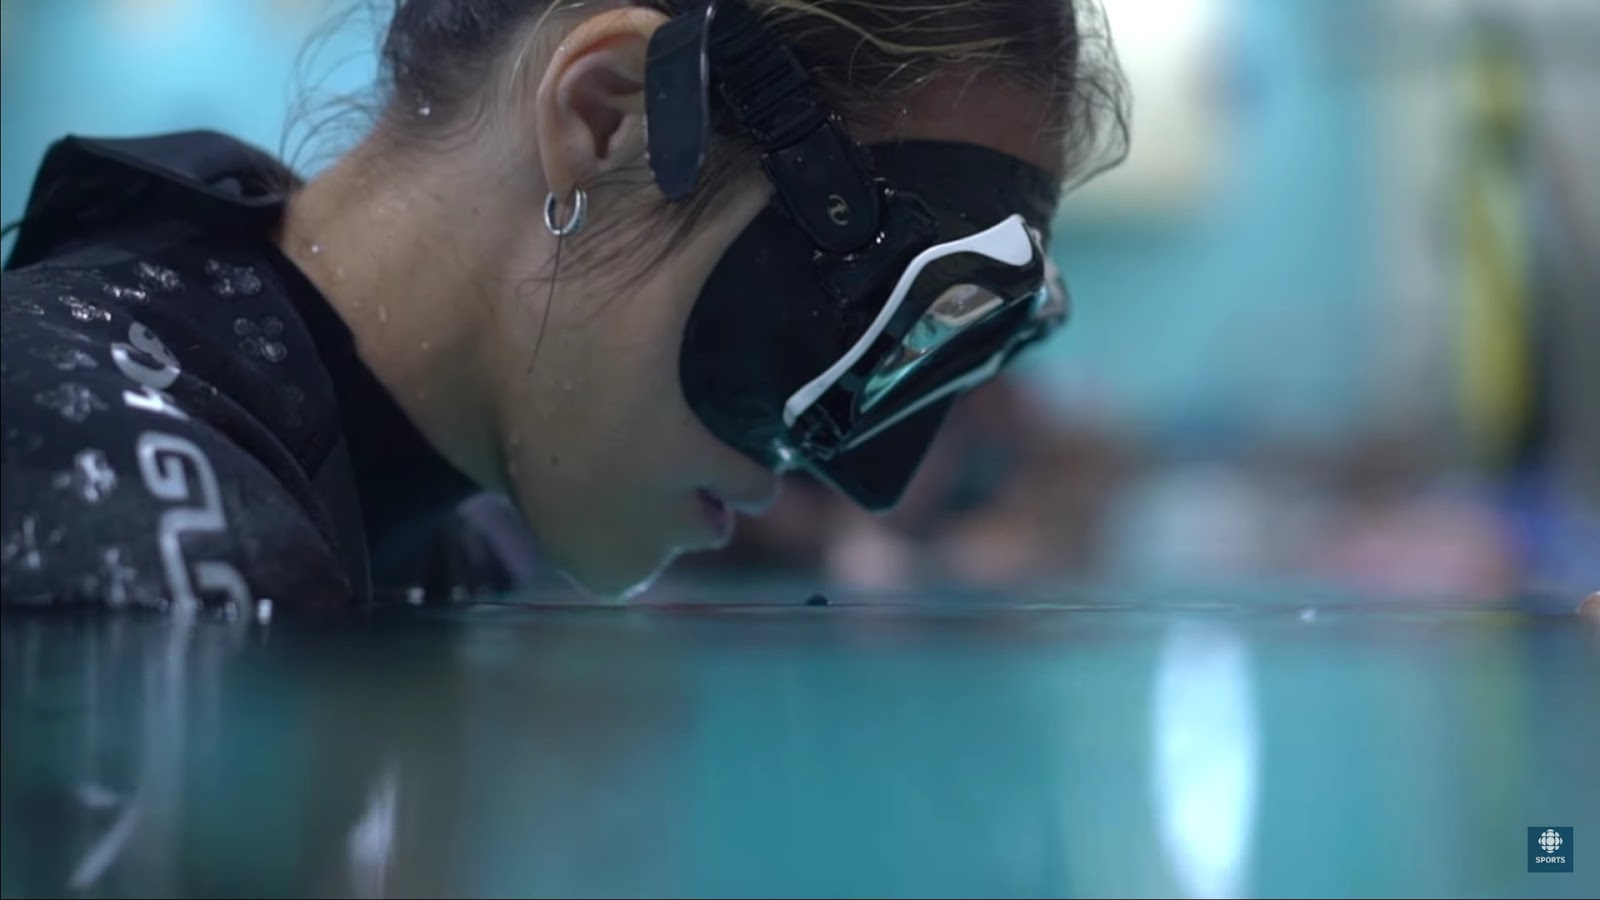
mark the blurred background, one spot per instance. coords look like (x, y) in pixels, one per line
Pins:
(1336, 318)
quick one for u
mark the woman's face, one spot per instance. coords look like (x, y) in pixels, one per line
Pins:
(615, 473)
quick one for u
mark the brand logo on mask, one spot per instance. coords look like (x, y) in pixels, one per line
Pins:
(838, 209)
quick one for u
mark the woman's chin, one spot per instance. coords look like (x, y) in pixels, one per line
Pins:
(616, 583)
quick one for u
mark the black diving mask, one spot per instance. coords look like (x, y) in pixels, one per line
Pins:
(880, 284)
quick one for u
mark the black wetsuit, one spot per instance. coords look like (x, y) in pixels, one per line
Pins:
(185, 417)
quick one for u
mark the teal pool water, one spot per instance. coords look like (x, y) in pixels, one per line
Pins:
(994, 746)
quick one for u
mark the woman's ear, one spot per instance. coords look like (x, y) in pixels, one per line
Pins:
(590, 103)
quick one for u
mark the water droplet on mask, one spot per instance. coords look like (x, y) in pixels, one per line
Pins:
(263, 611)
(787, 459)
(424, 110)
(274, 352)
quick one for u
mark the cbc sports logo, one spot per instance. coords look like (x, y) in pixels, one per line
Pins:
(1550, 849)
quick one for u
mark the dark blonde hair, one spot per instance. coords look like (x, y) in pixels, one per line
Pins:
(440, 56)
(446, 63)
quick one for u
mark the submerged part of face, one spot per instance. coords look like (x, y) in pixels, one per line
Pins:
(614, 472)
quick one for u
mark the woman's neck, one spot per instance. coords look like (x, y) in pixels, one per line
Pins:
(373, 239)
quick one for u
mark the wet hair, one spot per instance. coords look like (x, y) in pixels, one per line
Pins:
(444, 64)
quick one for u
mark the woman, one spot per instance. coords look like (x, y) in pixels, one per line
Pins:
(623, 261)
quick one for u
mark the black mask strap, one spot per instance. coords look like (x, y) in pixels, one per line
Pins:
(821, 177)
(677, 102)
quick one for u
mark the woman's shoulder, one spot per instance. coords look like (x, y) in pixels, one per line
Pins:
(206, 326)
(152, 259)
(166, 414)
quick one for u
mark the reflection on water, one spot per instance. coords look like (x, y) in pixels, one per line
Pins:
(371, 843)
(843, 751)
(1205, 735)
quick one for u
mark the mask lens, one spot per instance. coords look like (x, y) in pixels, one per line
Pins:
(954, 315)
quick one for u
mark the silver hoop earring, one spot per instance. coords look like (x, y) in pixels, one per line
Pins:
(575, 222)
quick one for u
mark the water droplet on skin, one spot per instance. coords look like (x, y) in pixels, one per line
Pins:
(426, 346)
(263, 611)
(383, 314)
(338, 274)
(415, 596)
(424, 110)
(315, 249)
(566, 387)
